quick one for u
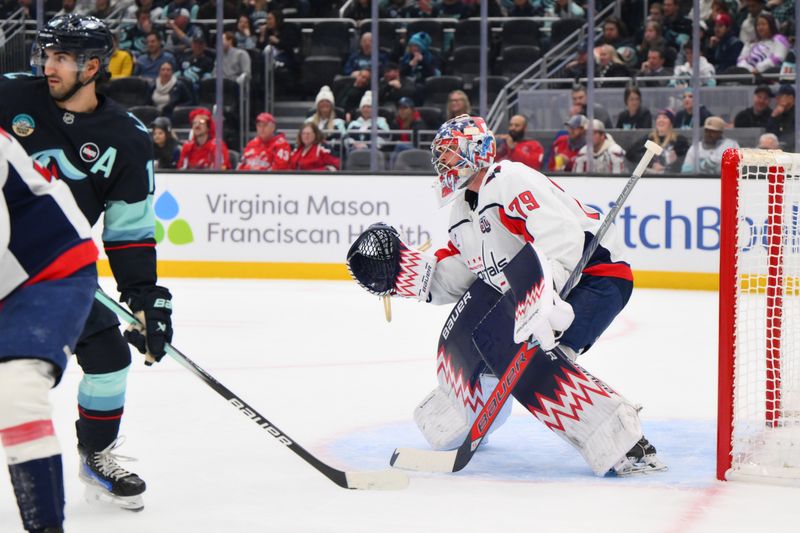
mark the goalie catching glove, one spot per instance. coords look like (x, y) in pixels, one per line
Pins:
(153, 308)
(383, 264)
(540, 312)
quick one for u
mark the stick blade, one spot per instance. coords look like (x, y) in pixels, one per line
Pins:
(424, 460)
(377, 480)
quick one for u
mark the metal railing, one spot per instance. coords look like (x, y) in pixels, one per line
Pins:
(14, 54)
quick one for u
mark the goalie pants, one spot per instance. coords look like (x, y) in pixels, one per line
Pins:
(596, 301)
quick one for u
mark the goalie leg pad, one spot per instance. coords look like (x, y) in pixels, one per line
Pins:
(445, 420)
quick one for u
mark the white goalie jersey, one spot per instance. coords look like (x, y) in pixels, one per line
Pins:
(518, 205)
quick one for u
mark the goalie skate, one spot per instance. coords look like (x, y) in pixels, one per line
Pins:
(107, 482)
(641, 459)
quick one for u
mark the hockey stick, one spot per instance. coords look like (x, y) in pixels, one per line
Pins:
(379, 480)
(455, 460)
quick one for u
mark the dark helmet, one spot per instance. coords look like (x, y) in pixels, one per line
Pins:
(82, 35)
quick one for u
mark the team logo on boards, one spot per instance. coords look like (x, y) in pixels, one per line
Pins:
(23, 125)
(178, 230)
(89, 152)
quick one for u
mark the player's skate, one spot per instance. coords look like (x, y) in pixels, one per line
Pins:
(107, 481)
(641, 459)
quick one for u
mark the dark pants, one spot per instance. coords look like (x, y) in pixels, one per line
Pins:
(596, 301)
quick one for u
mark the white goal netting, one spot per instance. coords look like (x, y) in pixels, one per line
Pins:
(765, 388)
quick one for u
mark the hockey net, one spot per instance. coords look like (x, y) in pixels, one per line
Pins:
(758, 427)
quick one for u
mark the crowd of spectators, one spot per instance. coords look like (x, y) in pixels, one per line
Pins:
(170, 44)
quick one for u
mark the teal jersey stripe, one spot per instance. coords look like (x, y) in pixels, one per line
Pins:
(129, 222)
(103, 392)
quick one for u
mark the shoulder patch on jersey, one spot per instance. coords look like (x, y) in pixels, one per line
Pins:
(493, 175)
(23, 125)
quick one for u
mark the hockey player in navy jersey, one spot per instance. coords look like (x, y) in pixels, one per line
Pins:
(498, 210)
(47, 280)
(105, 156)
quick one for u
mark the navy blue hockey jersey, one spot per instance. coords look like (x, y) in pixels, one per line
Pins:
(106, 159)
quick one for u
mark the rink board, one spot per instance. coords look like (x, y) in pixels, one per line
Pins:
(299, 226)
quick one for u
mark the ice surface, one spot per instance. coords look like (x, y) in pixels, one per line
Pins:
(319, 361)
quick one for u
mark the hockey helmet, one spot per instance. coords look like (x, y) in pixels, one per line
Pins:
(462, 146)
(82, 35)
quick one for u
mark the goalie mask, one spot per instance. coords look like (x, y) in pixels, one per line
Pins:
(462, 146)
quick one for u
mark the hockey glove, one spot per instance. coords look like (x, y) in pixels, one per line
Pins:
(383, 264)
(542, 314)
(153, 308)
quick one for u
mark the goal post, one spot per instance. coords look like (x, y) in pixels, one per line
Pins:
(758, 420)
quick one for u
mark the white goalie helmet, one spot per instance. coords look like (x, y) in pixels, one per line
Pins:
(462, 146)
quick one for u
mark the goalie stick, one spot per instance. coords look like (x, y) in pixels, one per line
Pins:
(455, 460)
(371, 480)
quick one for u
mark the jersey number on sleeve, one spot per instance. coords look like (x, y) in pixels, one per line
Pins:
(523, 203)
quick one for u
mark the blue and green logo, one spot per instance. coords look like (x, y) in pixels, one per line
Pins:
(178, 231)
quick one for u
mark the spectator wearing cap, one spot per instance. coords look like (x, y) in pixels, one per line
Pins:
(235, 61)
(634, 117)
(418, 62)
(324, 116)
(768, 51)
(513, 146)
(358, 131)
(148, 65)
(781, 121)
(311, 154)
(607, 156)
(566, 146)
(724, 46)
(757, 115)
(197, 65)
(674, 146)
(268, 150)
(200, 151)
(683, 118)
(183, 31)
(709, 150)
(768, 141)
(362, 58)
(175, 5)
(169, 91)
(393, 86)
(407, 123)
(166, 147)
(683, 73)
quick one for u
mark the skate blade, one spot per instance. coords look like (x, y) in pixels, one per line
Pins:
(649, 465)
(100, 496)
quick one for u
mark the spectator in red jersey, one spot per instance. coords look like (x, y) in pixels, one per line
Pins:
(310, 153)
(565, 147)
(268, 150)
(199, 152)
(513, 146)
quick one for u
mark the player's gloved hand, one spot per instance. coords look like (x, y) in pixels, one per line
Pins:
(153, 308)
(383, 264)
(540, 311)
(551, 320)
